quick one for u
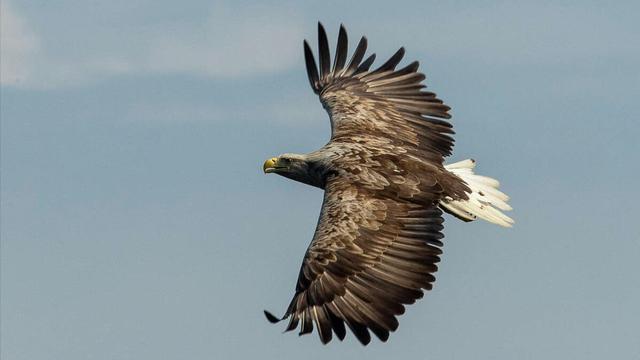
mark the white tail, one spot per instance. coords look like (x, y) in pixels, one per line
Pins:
(485, 200)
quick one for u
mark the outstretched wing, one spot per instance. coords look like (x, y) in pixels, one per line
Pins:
(384, 102)
(370, 255)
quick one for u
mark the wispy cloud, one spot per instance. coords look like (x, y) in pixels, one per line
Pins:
(229, 42)
(507, 33)
(20, 47)
(230, 39)
(233, 42)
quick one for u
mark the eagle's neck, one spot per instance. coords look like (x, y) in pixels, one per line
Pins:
(317, 167)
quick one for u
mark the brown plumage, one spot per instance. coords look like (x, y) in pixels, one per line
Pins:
(378, 239)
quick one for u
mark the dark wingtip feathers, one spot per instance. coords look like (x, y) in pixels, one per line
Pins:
(341, 50)
(366, 64)
(272, 318)
(357, 57)
(392, 62)
(312, 69)
(318, 73)
(324, 56)
(411, 68)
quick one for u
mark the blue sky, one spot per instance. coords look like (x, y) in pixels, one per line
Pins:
(136, 221)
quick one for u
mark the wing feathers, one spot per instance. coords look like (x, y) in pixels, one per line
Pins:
(307, 324)
(324, 55)
(354, 320)
(323, 323)
(411, 68)
(378, 96)
(400, 80)
(392, 62)
(366, 285)
(341, 50)
(312, 69)
(366, 64)
(372, 254)
(293, 323)
(272, 319)
(357, 57)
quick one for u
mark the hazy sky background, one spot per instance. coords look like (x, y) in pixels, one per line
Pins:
(137, 223)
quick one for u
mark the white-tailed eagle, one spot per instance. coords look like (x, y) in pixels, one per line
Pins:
(379, 236)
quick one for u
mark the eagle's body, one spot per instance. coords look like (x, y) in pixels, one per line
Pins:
(378, 237)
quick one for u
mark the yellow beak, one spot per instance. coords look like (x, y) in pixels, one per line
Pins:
(270, 165)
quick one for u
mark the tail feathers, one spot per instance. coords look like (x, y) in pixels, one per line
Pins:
(485, 200)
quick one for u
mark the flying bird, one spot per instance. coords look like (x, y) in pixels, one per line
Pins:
(379, 235)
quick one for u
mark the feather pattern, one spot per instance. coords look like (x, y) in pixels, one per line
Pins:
(378, 239)
(354, 271)
(357, 57)
(341, 50)
(323, 50)
(385, 102)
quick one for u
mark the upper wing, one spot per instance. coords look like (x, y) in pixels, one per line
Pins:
(383, 102)
(370, 255)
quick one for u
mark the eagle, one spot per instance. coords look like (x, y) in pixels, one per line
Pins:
(379, 235)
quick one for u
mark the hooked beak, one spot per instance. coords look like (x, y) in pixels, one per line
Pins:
(270, 165)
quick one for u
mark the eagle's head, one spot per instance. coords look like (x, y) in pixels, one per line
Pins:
(295, 167)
